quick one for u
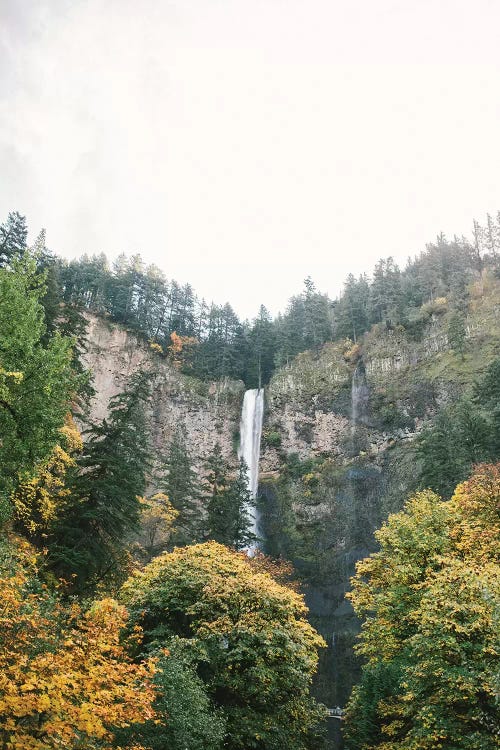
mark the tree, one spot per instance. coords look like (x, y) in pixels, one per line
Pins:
(13, 238)
(104, 506)
(429, 599)
(461, 436)
(185, 716)
(492, 238)
(254, 649)
(215, 494)
(262, 350)
(351, 311)
(239, 500)
(66, 679)
(38, 501)
(37, 382)
(386, 291)
(182, 487)
(227, 502)
(180, 350)
(156, 526)
(487, 400)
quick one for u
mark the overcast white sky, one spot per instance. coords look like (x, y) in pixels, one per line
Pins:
(242, 145)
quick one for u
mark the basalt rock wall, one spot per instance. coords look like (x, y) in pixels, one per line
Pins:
(210, 412)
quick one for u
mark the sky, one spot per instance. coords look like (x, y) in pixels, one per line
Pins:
(242, 145)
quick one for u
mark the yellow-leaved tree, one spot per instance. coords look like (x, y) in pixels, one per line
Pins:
(66, 679)
(39, 499)
(430, 603)
(245, 635)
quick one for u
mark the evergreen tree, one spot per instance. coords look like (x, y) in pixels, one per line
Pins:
(487, 399)
(181, 487)
(103, 505)
(227, 503)
(218, 524)
(13, 237)
(385, 292)
(261, 350)
(492, 238)
(460, 437)
(317, 316)
(351, 310)
(240, 498)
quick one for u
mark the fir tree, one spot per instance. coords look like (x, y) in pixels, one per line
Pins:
(13, 238)
(181, 487)
(103, 506)
(228, 521)
(239, 500)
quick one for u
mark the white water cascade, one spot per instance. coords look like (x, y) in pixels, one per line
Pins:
(250, 433)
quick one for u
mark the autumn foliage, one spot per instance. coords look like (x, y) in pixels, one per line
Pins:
(430, 604)
(181, 348)
(65, 677)
(247, 634)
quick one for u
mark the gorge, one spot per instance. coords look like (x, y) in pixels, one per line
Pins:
(143, 451)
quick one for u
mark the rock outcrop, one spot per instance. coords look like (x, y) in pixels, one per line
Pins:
(210, 412)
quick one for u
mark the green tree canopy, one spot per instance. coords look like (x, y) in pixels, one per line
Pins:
(256, 651)
(36, 379)
(227, 500)
(429, 600)
(104, 503)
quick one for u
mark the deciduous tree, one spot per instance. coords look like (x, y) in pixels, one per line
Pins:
(256, 653)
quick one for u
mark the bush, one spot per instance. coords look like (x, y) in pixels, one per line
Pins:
(271, 439)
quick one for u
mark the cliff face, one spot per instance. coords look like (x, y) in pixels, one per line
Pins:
(338, 441)
(309, 403)
(408, 375)
(210, 412)
(339, 452)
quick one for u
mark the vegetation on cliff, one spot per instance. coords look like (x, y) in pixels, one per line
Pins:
(210, 649)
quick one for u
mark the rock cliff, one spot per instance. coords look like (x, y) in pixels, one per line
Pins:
(210, 412)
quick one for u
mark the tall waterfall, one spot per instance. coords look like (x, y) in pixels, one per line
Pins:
(250, 433)
(360, 396)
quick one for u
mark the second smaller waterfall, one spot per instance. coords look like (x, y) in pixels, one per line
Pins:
(250, 434)
(360, 396)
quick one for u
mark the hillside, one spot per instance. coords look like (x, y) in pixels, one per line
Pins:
(327, 480)
(122, 476)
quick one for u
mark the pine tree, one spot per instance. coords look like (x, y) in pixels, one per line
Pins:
(218, 524)
(13, 238)
(228, 521)
(182, 488)
(487, 398)
(104, 505)
(240, 498)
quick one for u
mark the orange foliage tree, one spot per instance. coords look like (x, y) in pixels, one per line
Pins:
(181, 349)
(66, 680)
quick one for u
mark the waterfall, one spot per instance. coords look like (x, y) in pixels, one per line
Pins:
(250, 432)
(360, 396)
